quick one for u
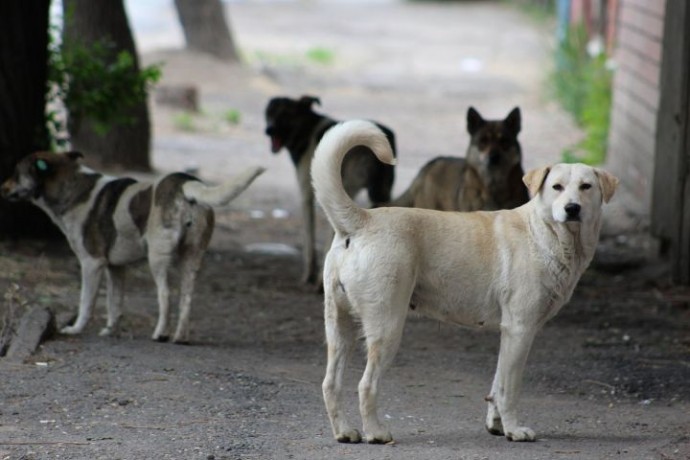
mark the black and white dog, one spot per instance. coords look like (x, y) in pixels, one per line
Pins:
(293, 124)
(110, 222)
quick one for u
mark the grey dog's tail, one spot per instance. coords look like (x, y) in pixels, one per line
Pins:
(344, 215)
(224, 193)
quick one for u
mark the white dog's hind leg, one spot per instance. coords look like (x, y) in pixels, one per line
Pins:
(516, 341)
(159, 268)
(91, 271)
(383, 340)
(340, 337)
(190, 264)
(115, 277)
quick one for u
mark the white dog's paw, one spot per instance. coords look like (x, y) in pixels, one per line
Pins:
(160, 334)
(71, 330)
(521, 434)
(494, 425)
(107, 332)
(159, 337)
(349, 436)
(381, 436)
(181, 339)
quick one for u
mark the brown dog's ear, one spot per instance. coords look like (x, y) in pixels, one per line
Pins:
(307, 101)
(607, 182)
(513, 121)
(74, 156)
(474, 121)
(534, 179)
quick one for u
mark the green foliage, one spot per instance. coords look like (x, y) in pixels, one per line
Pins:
(321, 56)
(97, 82)
(233, 116)
(184, 121)
(582, 84)
(315, 55)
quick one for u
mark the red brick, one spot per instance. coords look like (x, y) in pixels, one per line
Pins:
(646, 69)
(644, 46)
(648, 94)
(647, 24)
(656, 7)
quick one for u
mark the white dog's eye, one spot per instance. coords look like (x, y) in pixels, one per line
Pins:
(585, 186)
(558, 187)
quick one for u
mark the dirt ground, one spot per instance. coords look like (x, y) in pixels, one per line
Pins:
(607, 378)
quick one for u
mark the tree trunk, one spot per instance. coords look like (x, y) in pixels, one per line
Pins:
(206, 28)
(126, 145)
(23, 73)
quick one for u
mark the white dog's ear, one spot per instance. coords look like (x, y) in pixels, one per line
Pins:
(607, 182)
(535, 178)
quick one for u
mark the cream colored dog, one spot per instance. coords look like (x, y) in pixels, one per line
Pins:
(510, 270)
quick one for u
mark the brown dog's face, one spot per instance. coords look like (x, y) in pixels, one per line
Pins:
(494, 149)
(285, 119)
(35, 173)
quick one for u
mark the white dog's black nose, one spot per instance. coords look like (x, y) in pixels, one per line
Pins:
(572, 211)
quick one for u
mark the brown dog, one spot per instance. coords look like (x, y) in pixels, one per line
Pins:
(489, 177)
(291, 123)
(111, 222)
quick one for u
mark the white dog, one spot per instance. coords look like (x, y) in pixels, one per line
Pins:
(510, 270)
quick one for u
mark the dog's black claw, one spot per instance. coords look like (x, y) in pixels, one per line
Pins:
(162, 338)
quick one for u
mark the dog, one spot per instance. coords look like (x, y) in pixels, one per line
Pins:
(293, 124)
(111, 222)
(488, 178)
(510, 270)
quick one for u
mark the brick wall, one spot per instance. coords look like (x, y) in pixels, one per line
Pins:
(637, 53)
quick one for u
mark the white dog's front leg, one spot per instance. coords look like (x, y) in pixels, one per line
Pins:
(91, 272)
(494, 424)
(115, 277)
(516, 342)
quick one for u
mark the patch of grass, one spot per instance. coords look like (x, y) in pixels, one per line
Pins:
(321, 55)
(282, 60)
(315, 55)
(184, 121)
(582, 84)
(233, 116)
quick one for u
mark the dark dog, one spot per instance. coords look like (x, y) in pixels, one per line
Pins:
(110, 222)
(291, 123)
(489, 177)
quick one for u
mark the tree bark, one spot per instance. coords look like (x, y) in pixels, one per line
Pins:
(206, 28)
(23, 74)
(126, 145)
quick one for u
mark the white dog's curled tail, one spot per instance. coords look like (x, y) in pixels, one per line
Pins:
(224, 193)
(344, 215)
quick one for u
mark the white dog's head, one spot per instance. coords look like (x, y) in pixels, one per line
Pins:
(571, 192)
